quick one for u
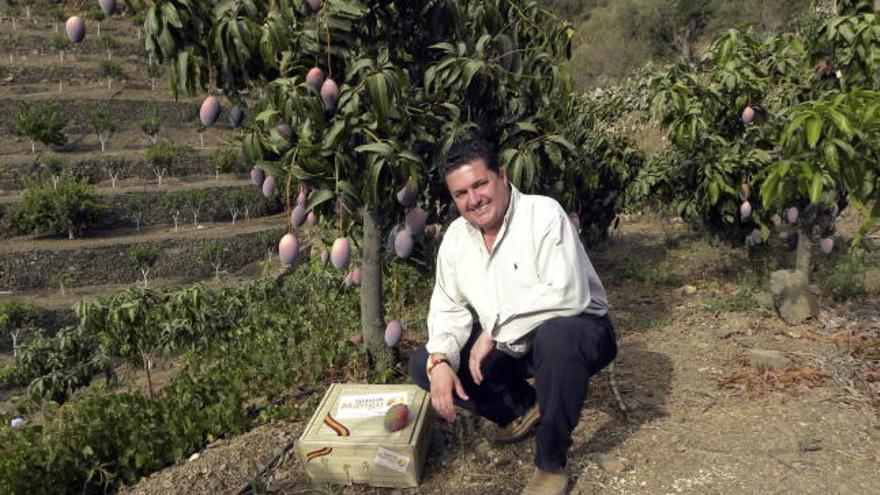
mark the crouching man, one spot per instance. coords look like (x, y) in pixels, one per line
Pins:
(517, 262)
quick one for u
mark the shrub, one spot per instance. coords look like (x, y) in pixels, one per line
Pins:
(225, 160)
(71, 207)
(844, 277)
(110, 69)
(60, 42)
(14, 316)
(213, 254)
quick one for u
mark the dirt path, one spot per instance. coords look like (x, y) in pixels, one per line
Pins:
(809, 431)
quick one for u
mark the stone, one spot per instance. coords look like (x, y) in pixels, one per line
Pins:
(792, 297)
(764, 299)
(763, 359)
(609, 463)
(797, 307)
(483, 448)
(810, 444)
(688, 290)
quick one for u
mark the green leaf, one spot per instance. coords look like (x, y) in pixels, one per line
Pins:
(816, 188)
(379, 148)
(814, 131)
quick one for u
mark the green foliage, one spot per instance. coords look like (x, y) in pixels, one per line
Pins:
(110, 68)
(212, 254)
(103, 126)
(737, 301)
(15, 315)
(143, 257)
(56, 14)
(226, 160)
(165, 156)
(151, 124)
(811, 145)
(651, 273)
(53, 164)
(41, 123)
(71, 207)
(238, 346)
(95, 13)
(109, 43)
(844, 276)
(60, 42)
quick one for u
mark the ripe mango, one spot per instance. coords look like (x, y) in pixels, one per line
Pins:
(397, 417)
(315, 78)
(209, 110)
(339, 253)
(288, 248)
(403, 244)
(393, 333)
(745, 210)
(76, 29)
(329, 94)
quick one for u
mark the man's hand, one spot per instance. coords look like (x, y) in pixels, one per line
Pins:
(482, 347)
(443, 382)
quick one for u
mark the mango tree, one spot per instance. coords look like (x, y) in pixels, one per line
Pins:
(781, 128)
(359, 100)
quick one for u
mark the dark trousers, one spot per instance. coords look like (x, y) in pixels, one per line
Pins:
(566, 352)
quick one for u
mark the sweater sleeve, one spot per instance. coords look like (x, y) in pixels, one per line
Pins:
(449, 319)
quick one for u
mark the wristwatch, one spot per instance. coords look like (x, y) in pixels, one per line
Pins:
(433, 363)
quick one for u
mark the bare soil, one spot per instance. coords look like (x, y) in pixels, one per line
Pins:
(698, 419)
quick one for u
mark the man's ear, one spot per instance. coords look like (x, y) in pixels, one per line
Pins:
(502, 173)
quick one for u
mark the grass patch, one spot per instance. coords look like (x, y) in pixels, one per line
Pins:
(651, 273)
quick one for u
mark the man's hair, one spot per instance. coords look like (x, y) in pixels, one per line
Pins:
(464, 152)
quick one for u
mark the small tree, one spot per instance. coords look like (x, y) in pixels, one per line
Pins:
(102, 124)
(154, 70)
(72, 207)
(195, 201)
(96, 14)
(27, 7)
(136, 211)
(225, 161)
(108, 43)
(16, 315)
(60, 44)
(212, 255)
(53, 167)
(237, 201)
(174, 202)
(113, 167)
(110, 70)
(41, 123)
(161, 158)
(57, 15)
(151, 125)
(144, 258)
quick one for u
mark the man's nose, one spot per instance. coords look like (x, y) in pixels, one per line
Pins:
(473, 198)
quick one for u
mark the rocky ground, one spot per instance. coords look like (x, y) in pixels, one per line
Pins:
(720, 396)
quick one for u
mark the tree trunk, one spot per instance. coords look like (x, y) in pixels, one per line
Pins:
(372, 318)
(802, 260)
(145, 273)
(149, 374)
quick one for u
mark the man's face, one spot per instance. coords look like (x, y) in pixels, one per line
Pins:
(480, 194)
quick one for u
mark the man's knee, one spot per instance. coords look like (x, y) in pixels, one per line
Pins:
(581, 338)
(417, 368)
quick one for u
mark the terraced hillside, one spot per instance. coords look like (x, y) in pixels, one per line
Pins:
(179, 202)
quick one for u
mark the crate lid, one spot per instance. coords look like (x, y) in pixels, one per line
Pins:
(355, 413)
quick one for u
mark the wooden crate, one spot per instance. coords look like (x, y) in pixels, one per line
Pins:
(346, 442)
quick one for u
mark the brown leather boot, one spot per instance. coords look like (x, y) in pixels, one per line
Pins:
(519, 428)
(547, 483)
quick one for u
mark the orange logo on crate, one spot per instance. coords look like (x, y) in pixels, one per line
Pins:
(318, 453)
(336, 426)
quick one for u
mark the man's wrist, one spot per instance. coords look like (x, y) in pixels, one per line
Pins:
(434, 362)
